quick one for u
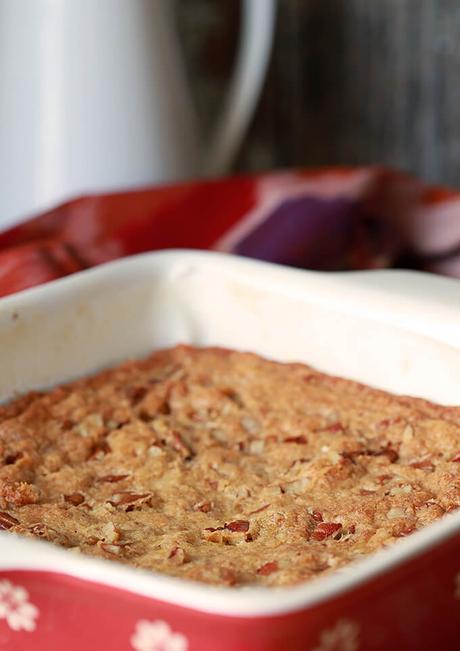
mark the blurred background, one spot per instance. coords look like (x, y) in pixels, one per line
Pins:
(350, 81)
(94, 102)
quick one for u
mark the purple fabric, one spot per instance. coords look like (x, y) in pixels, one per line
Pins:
(304, 232)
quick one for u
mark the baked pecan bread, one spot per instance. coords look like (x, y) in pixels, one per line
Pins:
(226, 468)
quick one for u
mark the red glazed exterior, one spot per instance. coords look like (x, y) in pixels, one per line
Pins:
(415, 607)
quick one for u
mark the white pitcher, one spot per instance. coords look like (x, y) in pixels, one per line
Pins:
(93, 97)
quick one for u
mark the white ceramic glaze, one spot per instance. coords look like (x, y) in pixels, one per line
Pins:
(394, 330)
(93, 97)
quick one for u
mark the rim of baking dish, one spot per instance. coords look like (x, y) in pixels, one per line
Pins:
(243, 601)
(423, 292)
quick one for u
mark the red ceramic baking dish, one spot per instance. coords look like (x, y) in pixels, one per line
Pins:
(394, 330)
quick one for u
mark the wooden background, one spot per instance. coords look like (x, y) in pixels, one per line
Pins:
(350, 81)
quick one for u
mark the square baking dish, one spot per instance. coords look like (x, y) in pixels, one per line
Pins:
(394, 330)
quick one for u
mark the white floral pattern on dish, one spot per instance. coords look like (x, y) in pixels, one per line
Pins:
(157, 636)
(15, 608)
(344, 636)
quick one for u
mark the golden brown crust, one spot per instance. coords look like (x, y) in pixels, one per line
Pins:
(225, 468)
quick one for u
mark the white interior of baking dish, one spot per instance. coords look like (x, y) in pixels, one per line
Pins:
(394, 330)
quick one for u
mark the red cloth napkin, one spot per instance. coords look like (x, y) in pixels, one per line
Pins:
(328, 219)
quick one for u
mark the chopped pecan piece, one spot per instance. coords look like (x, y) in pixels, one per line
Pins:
(67, 424)
(382, 479)
(326, 530)
(423, 464)
(18, 493)
(237, 525)
(334, 427)
(228, 576)
(100, 449)
(350, 456)
(41, 530)
(112, 479)
(204, 506)
(184, 449)
(267, 568)
(110, 533)
(178, 555)
(110, 548)
(392, 455)
(7, 521)
(301, 440)
(402, 530)
(451, 507)
(317, 515)
(127, 497)
(386, 422)
(136, 394)
(251, 425)
(11, 459)
(255, 447)
(388, 451)
(259, 510)
(295, 462)
(74, 498)
(233, 396)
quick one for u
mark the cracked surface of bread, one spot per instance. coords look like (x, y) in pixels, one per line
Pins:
(226, 468)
